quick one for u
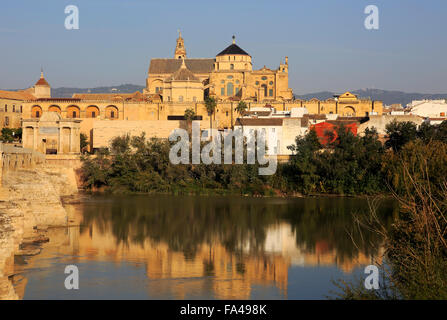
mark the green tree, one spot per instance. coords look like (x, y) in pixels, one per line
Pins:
(399, 134)
(189, 115)
(241, 107)
(210, 105)
(83, 141)
(11, 134)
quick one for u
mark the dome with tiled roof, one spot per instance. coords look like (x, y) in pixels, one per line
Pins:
(42, 81)
(233, 49)
(184, 74)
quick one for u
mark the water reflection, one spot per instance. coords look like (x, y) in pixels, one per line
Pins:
(208, 247)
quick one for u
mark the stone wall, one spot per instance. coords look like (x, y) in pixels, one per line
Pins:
(380, 122)
(30, 202)
(13, 158)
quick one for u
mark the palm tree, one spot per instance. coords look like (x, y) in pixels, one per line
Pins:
(189, 115)
(210, 105)
(241, 107)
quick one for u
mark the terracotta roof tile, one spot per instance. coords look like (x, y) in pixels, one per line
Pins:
(108, 96)
(259, 122)
(169, 66)
(16, 95)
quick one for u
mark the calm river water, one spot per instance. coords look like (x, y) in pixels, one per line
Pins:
(186, 247)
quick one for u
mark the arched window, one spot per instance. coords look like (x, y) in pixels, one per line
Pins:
(111, 112)
(73, 112)
(54, 109)
(265, 90)
(92, 112)
(231, 66)
(230, 89)
(36, 112)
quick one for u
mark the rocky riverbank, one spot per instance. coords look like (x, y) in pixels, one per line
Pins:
(30, 203)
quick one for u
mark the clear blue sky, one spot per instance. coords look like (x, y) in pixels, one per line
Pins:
(327, 44)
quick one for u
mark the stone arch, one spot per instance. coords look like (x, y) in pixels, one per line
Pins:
(73, 111)
(36, 111)
(54, 108)
(349, 111)
(112, 112)
(92, 112)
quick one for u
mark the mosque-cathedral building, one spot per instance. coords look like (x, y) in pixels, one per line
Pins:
(176, 84)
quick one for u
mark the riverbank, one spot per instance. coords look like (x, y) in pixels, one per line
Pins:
(30, 203)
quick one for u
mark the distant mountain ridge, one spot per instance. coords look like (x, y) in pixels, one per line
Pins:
(387, 96)
(65, 92)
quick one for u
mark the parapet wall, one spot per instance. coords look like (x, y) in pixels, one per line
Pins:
(13, 158)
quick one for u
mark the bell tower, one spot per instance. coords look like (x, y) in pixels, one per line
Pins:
(180, 51)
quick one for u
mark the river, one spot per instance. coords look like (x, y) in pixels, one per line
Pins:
(215, 247)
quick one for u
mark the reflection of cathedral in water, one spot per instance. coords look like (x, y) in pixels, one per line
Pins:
(225, 274)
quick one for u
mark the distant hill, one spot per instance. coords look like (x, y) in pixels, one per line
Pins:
(68, 92)
(388, 97)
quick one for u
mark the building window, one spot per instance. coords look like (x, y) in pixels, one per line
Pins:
(13, 108)
(194, 99)
(226, 113)
(230, 77)
(222, 81)
(93, 114)
(230, 89)
(237, 81)
(222, 91)
(6, 108)
(271, 83)
(37, 114)
(112, 114)
(257, 83)
(264, 78)
(180, 98)
(271, 92)
(231, 66)
(20, 108)
(74, 114)
(273, 129)
(6, 121)
(237, 90)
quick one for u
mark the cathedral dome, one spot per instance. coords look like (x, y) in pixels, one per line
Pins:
(233, 49)
(184, 74)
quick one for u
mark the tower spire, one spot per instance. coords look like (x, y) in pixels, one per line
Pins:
(180, 51)
(234, 39)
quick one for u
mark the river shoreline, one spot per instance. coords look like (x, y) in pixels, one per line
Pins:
(30, 203)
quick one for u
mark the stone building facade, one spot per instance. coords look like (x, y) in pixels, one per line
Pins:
(51, 134)
(228, 76)
(179, 83)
